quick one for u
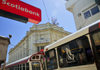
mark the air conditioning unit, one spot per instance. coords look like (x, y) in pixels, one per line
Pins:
(97, 2)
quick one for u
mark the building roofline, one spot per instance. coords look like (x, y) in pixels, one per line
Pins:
(5, 38)
(27, 34)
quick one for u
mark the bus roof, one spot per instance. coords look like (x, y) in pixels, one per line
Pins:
(25, 59)
(20, 61)
(70, 37)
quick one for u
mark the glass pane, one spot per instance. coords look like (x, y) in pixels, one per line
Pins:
(74, 53)
(23, 66)
(94, 10)
(96, 39)
(51, 54)
(27, 66)
(87, 14)
(51, 60)
(35, 66)
(20, 67)
(37, 57)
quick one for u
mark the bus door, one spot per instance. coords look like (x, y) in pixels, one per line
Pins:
(95, 38)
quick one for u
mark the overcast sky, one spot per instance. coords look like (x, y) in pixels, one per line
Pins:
(55, 8)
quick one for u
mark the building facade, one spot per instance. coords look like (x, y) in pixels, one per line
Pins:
(4, 42)
(36, 39)
(85, 11)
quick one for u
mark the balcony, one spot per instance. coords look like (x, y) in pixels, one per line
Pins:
(70, 4)
(42, 41)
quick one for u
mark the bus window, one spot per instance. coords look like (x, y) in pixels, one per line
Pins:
(85, 50)
(96, 47)
(43, 62)
(66, 55)
(14, 67)
(36, 66)
(27, 66)
(51, 60)
(96, 39)
(23, 66)
(43, 65)
(37, 57)
(19, 66)
(74, 53)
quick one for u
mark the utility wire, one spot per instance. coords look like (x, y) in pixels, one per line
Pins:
(45, 10)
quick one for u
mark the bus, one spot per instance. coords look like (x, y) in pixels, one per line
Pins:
(32, 62)
(77, 51)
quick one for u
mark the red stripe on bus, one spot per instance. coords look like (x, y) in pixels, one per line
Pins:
(99, 24)
(21, 62)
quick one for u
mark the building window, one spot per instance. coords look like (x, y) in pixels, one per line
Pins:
(91, 11)
(41, 38)
(87, 14)
(39, 48)
(94, 10)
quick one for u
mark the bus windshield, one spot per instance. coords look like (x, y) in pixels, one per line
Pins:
(36, 66)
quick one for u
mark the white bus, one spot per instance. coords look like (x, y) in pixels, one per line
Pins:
(32, 62)
(78, 51)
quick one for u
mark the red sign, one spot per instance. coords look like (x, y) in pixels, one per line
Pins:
(22, 9)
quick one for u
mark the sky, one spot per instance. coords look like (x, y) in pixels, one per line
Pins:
(54, 8)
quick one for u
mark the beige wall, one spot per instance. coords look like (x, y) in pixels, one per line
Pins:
(39, 35)
(3, 48)
(4, 42)
(79, 8)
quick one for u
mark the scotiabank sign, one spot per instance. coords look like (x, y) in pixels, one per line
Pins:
(22, 9)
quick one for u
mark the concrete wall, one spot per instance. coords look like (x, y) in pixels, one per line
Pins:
(78, 10)
(39, 35)
(4, 42)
